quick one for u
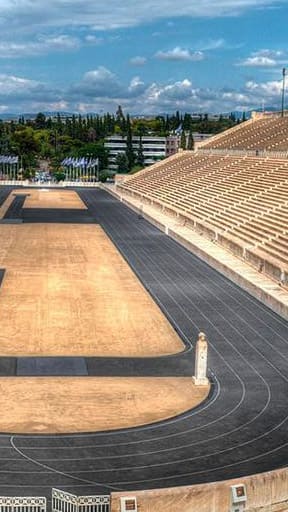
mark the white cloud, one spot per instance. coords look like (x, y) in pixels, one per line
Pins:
(138, 61)
(100, 82)
(264, 58)
(270, 89)
(259, 62)
(235, 97)
(136, 87)
(42, 45)
(212, 44)
(13, 85)
(22, 94)
(178, 54)
(29, 15)
(100, 90)
(92, 39)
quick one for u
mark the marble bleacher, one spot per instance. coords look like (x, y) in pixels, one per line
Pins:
(267, 133)
(240, 202)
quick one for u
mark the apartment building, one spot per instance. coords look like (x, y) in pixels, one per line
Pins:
(154, 148)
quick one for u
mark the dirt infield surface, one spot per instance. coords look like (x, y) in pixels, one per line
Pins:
(68, 291)
(45, 198)
(67, 405)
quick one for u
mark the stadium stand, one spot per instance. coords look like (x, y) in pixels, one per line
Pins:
(265, 133)
(238, 200)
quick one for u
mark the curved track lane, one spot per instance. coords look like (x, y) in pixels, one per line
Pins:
(240, 430)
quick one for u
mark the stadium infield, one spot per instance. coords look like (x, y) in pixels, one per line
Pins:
(44, 198)
(41, 405)
(67, 292)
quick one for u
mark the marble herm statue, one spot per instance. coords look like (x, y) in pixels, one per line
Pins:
(200, 377)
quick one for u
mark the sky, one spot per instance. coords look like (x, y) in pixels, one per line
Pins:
(150, 57)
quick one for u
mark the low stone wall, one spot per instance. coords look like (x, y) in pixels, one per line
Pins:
(231, 245)
(270, 267)
(266, 492)
(205, 230)
(272, 270)
(14, 183)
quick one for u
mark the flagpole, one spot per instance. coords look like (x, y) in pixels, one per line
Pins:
(283, 91)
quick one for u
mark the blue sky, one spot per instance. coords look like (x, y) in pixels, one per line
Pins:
(150, 57)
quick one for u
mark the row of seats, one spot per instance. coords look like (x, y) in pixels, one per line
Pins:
(268, 133)
(244, 198)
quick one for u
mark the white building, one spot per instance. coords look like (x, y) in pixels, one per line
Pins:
(154, 148)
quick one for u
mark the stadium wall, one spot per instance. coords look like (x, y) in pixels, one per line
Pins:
(266, 492)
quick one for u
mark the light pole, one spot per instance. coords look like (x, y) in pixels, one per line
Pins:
(97, 169)
(283, 91)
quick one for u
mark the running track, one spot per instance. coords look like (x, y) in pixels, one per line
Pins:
(241, 429)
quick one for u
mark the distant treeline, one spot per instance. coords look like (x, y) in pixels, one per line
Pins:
(55, 138)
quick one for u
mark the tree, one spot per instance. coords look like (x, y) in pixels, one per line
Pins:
(59, 125)
(178, 119)
(183, 140)
(140, 156)
(119, 114)
(94, 150)
(26, 141)
(129, 145)
(26, 145)
(103, 177)
(43, 138)
(91, 134)
(139, 127)
(186, 122)
(122, 163)
(190, 143)
(59, 176)
(120, 119)
(40, 121)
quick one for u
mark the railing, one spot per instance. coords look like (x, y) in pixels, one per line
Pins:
(22, 504)
(47, 184)
(61, 502)
(65, 502)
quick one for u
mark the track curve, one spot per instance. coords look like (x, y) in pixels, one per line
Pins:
(240, 430)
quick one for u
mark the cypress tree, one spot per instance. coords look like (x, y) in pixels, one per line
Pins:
(140, 155)
(129, 145)
(190, 143)
(183, 140)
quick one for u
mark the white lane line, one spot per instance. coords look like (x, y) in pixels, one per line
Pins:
(55, 471)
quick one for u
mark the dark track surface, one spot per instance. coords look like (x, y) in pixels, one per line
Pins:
(179, 365)
(240, 430)
(4, 193)
(51, 366)
(2, 273)
(58, 215)
(16, 207)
